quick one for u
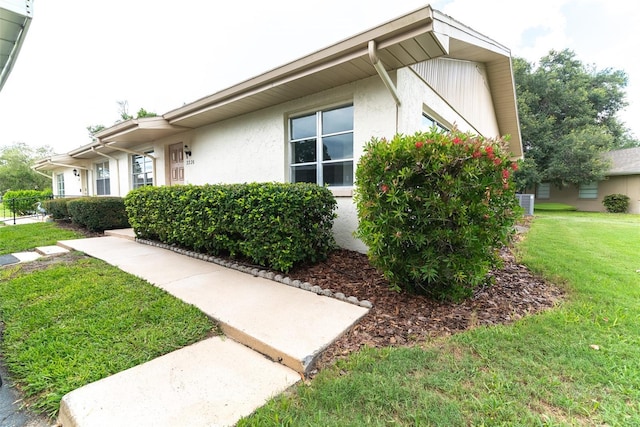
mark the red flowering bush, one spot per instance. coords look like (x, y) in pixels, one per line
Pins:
(434, 209)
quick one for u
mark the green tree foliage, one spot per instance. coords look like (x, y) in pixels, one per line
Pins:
(123, 113)
(144, 113)
(15, 167)
(568, 117)
(434, 209)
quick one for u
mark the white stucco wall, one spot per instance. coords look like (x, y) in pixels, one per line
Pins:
(255, 148)
(72, 184)
(464, 86)
(249, 148)
(417, 98)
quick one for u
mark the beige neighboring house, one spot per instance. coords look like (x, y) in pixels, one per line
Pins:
(15, 19)
(622, 178)
(308, 120)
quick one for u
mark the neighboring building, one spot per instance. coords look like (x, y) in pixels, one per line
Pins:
(421, 69)
(622, 178)
(15, 18)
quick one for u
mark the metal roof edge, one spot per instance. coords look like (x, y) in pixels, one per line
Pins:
(344, 48)
(13, 56)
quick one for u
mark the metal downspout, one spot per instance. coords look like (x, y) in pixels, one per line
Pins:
(382, 72)
(43, 174)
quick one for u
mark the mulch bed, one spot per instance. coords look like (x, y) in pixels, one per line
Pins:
(399, 319)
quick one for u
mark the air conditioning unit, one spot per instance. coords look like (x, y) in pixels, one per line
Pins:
(526, 202)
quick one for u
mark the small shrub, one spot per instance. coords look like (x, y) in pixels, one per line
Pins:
(98, 213)
(275, 225)
(616, 203)
(434, 209)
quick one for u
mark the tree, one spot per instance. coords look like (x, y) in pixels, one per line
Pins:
(95, 129)
(568, 117)
(144, 113)
(123, 112)
(15, 167)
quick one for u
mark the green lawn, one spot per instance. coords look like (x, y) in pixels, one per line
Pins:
(578, 364)
(20, 238)
(77, 321)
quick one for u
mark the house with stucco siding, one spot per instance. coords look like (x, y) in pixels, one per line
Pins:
(308, 120)
(623, 177)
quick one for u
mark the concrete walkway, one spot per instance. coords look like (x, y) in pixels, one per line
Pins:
(219, 380)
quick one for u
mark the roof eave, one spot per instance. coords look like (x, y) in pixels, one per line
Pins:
(25, 22)
(437, 34)
(343, 51)
(144, 129)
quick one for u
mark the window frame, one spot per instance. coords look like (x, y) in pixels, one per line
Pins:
(434, 122)
(60, 184)
(319, 163)
(103, 185)
(147, 161)
(588, 191)
(543, 192)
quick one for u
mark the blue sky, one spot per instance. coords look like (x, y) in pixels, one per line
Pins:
(80, 58)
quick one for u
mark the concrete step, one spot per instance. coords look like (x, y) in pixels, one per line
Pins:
(125, 233)
(287, 324)
(212, 383)
(51, 250)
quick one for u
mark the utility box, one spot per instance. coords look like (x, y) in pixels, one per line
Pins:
(526, 202)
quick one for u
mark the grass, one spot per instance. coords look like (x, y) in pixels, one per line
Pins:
(578, 364)
(78, 320)
(553, 207)
(25, 237)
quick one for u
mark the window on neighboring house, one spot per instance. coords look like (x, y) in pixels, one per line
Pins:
(103, 184)
(321, 147)
(543, 191)
(428, 122)
(588, 191)
(142, 167)
(60, 184)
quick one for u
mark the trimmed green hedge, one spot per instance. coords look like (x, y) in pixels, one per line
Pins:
(275, 225)
(24, 201)
(98, 213)
(58, 208)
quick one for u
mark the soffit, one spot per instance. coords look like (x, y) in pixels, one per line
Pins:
(127, 135)
(15, 18)
(138, 131)
(404, 41)
(55, 162)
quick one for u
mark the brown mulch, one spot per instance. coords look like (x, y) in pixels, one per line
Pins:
(68, 225)
(398, 319)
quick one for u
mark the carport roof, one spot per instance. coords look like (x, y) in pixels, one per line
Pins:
(15, 18)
